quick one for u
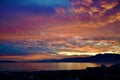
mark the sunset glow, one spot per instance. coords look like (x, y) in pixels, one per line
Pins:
(52, 28)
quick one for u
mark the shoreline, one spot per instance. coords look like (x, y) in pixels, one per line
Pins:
(90, 73)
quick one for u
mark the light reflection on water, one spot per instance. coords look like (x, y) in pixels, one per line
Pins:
(45, 66)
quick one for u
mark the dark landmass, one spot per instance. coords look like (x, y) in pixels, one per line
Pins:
(100, 58)
(97, 73)
(97, 58)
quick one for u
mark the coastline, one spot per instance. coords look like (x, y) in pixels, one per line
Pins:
(95, 73)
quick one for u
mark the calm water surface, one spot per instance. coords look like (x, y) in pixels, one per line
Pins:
(45, 66)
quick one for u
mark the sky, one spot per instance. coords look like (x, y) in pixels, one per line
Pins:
(58, 28)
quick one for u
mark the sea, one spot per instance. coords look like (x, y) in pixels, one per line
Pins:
(37, 66)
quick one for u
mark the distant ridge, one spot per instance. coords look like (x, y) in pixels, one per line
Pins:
(99, 58)
(96, 58)
(103, 58)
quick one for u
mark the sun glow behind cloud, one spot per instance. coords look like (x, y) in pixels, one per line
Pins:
(75, 53)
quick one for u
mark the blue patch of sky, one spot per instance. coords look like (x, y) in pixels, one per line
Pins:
(36, 5)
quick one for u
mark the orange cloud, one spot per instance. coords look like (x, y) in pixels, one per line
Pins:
(108, 5)
(32, 56)
(114, 18)
(69, 22)
(93, 15)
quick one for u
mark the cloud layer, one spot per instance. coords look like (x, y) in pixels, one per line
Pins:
(59, 26)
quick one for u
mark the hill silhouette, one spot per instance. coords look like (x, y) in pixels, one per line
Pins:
(110, 58)
(96, 58)
(102, 58)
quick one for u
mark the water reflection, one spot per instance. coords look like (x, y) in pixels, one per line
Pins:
(45, 66)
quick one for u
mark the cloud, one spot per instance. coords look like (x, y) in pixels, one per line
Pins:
(32, 56)
(60, 11)
(113, 18)
(81, 2)
(95, 15)
(90, 46)
(52, 27)
(76, 44)
(108, 5)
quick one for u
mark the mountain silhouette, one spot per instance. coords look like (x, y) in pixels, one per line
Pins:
(107, 57)
(96, 58)
(102, 58)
